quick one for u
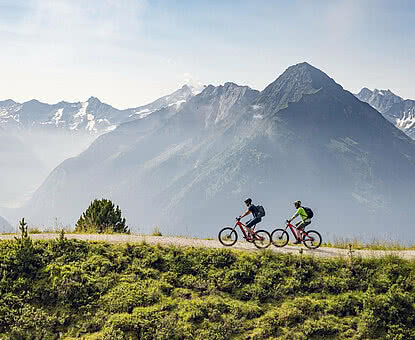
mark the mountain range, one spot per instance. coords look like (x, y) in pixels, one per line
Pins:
(36, 136)
(91, 116)
(187, 168)
(399, 111)
(5, 226)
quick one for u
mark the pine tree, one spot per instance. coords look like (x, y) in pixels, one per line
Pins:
(102, 216)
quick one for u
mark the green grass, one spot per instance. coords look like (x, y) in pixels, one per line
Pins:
(67, 230)
(357, 244)
(340, 243)
(35, 231)
(156, 232)
(122, 291)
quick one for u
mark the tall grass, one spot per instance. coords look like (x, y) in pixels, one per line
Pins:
(138, 291)
(156, 232)
(373, 244)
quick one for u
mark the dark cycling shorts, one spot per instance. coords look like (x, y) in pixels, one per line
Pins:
(254, 221)
(302, 224)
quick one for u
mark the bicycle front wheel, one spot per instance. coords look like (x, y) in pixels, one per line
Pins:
(228, 236)
(262, 239)
(279, 238)
(312, 239)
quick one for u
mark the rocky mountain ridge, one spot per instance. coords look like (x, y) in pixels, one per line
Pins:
(399, 111)
(188, 170)
(91, 116)
(36, 137)
(5, 227)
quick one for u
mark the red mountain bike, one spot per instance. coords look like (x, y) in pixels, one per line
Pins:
(311, 238)
(228, 236)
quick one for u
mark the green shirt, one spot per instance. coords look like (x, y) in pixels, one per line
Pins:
(302, 213)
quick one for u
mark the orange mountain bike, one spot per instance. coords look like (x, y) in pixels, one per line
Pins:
(311, 238)
(228, 236)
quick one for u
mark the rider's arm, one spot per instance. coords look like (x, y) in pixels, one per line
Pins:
(293, 218)
(246, 213)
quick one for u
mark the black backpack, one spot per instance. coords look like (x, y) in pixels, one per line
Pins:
(261, 211)
(309, 212)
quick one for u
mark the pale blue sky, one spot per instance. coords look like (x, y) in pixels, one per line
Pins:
(129, 52)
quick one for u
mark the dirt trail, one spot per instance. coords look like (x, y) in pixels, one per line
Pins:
(194, 242)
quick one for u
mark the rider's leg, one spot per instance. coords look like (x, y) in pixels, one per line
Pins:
(250, 232)
(301, 226)
(299, 234)
(253, 222)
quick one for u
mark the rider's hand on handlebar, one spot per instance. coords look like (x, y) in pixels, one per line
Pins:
(238, 218)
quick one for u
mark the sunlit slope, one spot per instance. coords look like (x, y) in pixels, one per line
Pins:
(303, 137)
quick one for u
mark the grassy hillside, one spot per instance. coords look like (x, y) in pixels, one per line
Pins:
(69, 289)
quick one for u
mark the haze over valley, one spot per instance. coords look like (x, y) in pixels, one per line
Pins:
(38, 136)
(179, 111)
(186, 161)
(138, 140)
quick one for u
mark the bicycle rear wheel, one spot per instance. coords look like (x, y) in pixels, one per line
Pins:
(279, 238)
(311, 239)
(262, 239)
(228, 236)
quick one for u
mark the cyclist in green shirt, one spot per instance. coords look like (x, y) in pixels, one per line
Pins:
(305, 220)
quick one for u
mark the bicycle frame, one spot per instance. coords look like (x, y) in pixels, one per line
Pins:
(280, 236)
(242, 227)
(295, 233)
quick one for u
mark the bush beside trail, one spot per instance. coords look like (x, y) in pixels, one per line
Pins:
(70, 289)
(102, 216)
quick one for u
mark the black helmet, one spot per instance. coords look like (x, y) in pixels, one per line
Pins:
(248, 201)
(297, 203)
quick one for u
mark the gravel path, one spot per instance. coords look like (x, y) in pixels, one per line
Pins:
(194, 242)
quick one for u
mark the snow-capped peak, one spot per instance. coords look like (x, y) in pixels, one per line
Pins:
(90, 116)
(58, 116)
(407, 121)
(79, 117)
(196, 88)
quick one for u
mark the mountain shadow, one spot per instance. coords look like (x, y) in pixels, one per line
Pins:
(188, 170)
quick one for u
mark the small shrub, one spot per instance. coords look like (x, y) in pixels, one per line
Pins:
(325, 327)
(74, 289)
(102, 216)
(126, 296)
(156, 232)
(34, 231)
